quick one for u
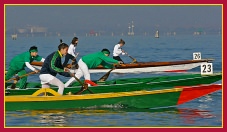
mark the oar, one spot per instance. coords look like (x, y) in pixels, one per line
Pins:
(133, 59)
(37, 63)
(84, 86)
(18, 78)
(105, 76)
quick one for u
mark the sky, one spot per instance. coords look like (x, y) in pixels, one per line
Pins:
(115, 18)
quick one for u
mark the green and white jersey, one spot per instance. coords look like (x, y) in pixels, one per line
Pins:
(18, 62)
(98, 58)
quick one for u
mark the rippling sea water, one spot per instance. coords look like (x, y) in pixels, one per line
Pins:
(202, 112)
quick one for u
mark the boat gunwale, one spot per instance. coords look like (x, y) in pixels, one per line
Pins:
(30, 98)
(146, 64)
(120, 85)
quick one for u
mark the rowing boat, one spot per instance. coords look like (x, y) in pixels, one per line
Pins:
(152, 92)
(139, 67)
(154, 98)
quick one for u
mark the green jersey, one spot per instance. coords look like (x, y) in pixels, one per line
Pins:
(18, 62)
(98, 58)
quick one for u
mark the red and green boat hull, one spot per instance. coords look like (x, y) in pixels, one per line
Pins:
(155, 98)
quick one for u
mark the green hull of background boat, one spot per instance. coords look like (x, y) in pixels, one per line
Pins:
(127, 85)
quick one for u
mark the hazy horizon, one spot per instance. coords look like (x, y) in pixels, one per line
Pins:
(68, 19)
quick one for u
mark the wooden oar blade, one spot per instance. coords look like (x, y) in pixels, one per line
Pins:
(104, 77)
(13, 86)
(80, 92)
(134, 61)
(82, 89)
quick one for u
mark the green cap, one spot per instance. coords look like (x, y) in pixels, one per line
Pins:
(33, 50)
(105, 52)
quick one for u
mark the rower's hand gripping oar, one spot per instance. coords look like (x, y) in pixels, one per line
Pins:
(84, 85)
(19, 77)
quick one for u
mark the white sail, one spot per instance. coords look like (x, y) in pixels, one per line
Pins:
(157, 34)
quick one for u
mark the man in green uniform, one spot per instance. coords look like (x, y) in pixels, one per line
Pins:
(92, 61)
(18, 63)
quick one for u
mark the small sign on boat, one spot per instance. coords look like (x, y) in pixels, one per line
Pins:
(197, 56)
(206, 68)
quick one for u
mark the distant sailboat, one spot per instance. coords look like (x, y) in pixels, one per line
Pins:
(156, 34)
(14, 36)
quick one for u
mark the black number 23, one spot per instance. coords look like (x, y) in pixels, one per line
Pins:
(206, 68)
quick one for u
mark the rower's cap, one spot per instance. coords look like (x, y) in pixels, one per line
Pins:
(105, 51)
(33, 49)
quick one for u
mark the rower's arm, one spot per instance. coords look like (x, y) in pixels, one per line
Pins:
(29, 66)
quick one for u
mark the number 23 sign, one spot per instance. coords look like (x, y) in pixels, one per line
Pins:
(206, 68)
